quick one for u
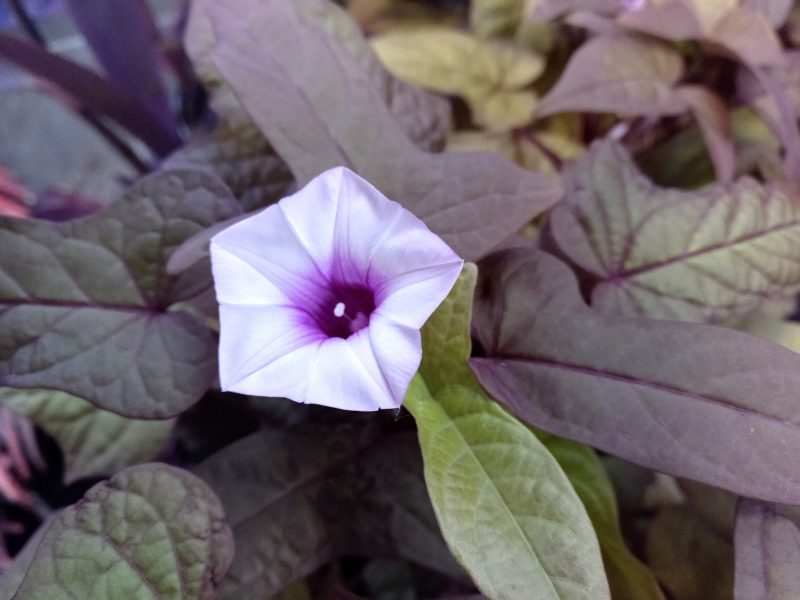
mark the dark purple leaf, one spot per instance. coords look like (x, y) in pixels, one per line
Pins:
(767, 546)
(88, 90)
(125, 41)
(696, 401)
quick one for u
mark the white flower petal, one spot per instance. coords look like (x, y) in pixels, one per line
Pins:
(238, 282)
(266, 242)
(412, 297)
(253, 339)
(394, 350)
(285, 275)
(285, 377)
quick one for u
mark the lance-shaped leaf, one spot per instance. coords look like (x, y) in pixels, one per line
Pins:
(624, 74)
(506, 509)
(628, 577)
(490, 75)
(692, 400)
(94, 442)
(447, 345)
(316, 104)
(87, 308)
(151, 532)
(424, 117)
(662, 253)
(767, 547)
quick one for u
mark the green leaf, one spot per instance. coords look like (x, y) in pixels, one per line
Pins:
(285, 67)
(86, 306)
(94, 441)
(785, 333)
(240, 155)
(623, 74)
(697, 256)
(447, 344)
(151, 532)
(489, 75)
(628, 577)
(496, 17)
(691, 559)
(507, 510)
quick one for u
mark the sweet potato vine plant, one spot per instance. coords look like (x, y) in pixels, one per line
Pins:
(607, 403)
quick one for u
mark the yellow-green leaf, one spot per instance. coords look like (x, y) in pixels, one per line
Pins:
(94, 441)
(489, 75)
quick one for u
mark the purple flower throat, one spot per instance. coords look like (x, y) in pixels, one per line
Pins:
(345, 311)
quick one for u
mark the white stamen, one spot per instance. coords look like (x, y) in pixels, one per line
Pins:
(338, 310)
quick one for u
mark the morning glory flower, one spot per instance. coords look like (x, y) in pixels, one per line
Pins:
(323, 294)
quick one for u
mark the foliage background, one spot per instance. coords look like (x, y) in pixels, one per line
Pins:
(606, 406)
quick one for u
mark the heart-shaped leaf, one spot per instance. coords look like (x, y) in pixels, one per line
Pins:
(698, 256)
(151, 532)
(87, 308)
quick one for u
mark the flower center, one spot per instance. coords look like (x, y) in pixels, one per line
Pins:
(347, 311)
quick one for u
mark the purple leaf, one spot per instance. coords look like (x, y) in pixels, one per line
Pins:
(738, 31)
(96, 315)
(546, 10)
(775, 11)
(698, 256)
(88, 90)
(317, 105)
(423, 116)
(696, 401)
(623, 74)
(767, 546)
(124, 38)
